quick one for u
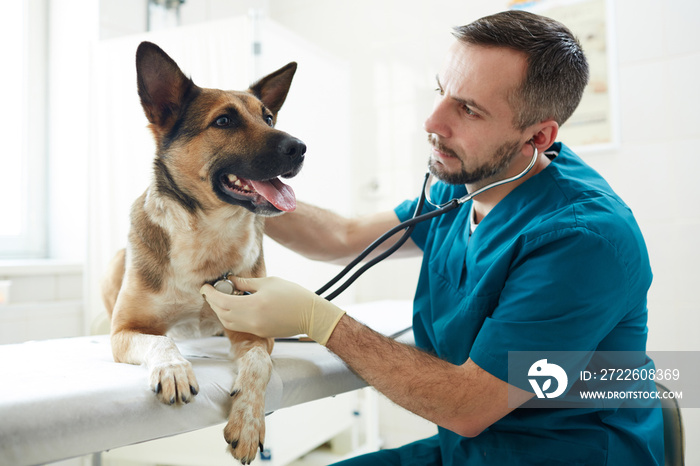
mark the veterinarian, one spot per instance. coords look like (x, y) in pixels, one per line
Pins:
(552, 261)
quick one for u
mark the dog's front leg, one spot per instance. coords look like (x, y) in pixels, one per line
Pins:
(245, 431)
(170, 375)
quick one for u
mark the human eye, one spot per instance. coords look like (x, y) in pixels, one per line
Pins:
(467, 109)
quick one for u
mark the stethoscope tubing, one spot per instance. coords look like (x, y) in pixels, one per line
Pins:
(408, 227)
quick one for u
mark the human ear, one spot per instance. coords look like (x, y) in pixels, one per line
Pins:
(543, 134)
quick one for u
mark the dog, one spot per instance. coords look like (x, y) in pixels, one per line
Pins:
(215, 179)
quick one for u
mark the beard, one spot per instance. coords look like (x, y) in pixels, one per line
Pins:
(497, 163)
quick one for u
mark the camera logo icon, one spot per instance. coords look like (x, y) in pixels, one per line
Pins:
(545, 372)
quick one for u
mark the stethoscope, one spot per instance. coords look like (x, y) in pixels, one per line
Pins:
(226, 286)
(410, 224)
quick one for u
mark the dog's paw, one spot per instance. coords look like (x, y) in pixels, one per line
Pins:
(174, 382)
(245, 431)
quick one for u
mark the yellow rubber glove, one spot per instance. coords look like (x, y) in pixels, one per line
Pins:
(276, 308)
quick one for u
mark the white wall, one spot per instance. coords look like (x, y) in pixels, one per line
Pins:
(660, 151)
(45, 301)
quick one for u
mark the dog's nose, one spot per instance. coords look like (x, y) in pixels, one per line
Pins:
(292, 148)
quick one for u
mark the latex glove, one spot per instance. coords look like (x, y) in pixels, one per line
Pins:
(276, 308)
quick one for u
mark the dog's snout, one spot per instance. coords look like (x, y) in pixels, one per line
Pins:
(292, 148)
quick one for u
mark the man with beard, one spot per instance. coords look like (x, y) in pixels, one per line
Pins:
(552, 261)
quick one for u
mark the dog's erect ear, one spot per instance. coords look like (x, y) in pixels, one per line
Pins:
(163, 88)
(272, 89)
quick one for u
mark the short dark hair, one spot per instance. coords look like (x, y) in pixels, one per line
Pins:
(557, 70)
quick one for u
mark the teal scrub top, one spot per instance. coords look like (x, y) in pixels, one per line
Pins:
(559, 264)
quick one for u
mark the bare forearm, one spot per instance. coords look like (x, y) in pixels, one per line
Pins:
(313, 232)
(454, 397)
(320, 234)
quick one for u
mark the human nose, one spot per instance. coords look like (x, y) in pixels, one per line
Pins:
(437, 122)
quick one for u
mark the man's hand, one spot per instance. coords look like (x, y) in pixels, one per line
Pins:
(276, 308)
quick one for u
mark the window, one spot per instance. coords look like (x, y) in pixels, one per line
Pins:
(23, 130)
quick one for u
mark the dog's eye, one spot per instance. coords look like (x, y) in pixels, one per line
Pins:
(223, 121)
(269, 120)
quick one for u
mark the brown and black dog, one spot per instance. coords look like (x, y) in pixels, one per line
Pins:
(215, 179)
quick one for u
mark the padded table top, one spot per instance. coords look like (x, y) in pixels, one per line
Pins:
(67, 397)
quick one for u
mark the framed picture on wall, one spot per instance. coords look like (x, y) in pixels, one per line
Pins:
(595, 124)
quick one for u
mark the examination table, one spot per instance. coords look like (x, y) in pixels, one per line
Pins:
(67, 397)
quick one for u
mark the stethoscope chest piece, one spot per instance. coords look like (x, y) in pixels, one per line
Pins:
(224, 285)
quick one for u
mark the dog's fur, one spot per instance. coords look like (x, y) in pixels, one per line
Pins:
(191, 226)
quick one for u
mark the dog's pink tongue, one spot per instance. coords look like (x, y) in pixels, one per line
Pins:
(277, 193)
